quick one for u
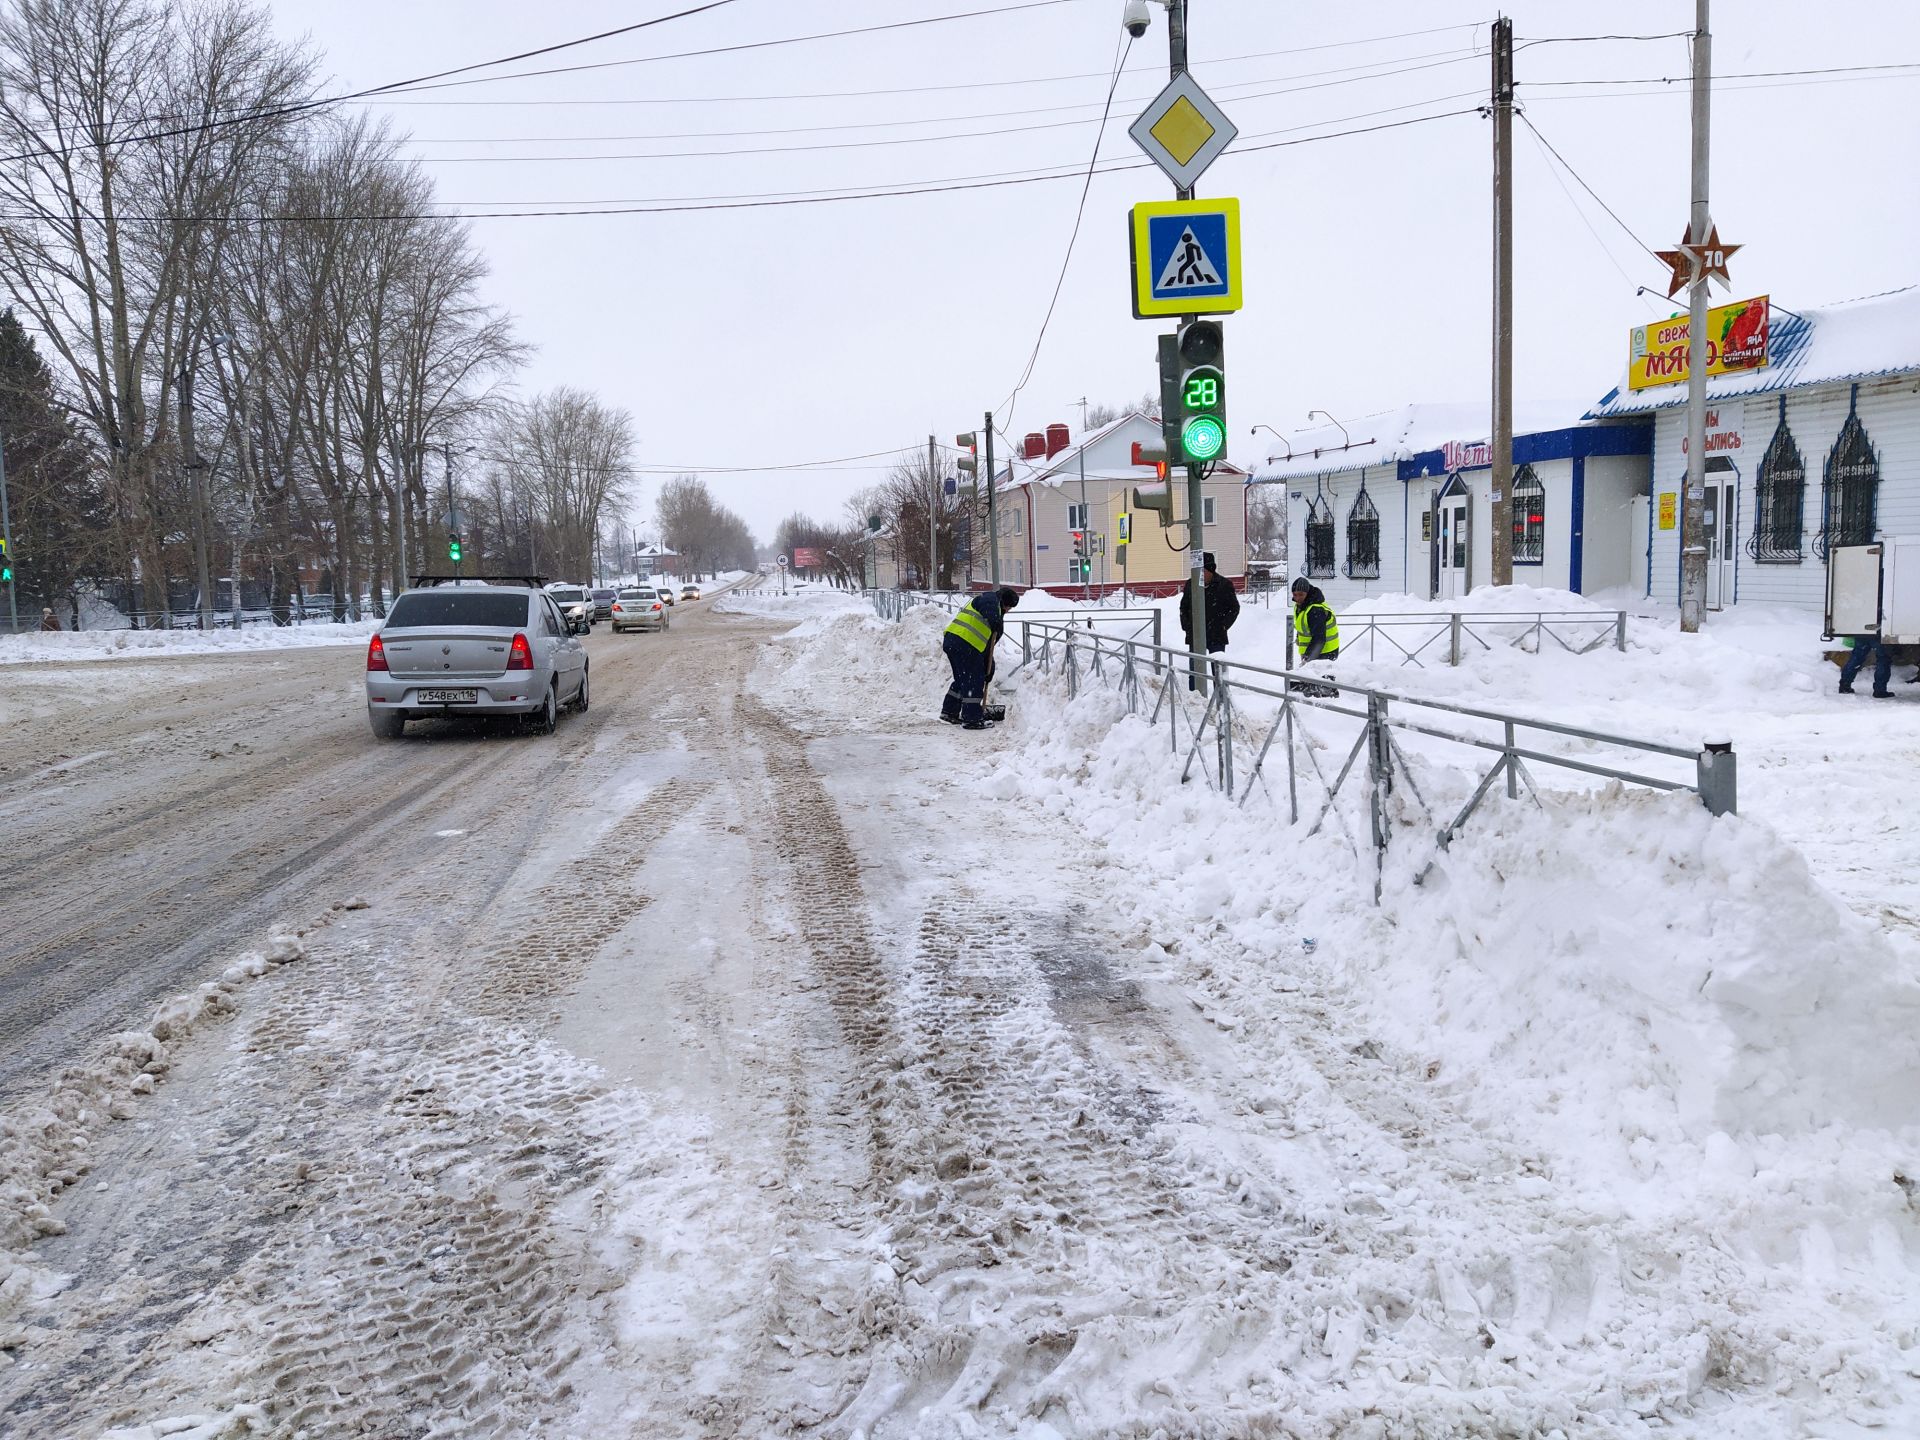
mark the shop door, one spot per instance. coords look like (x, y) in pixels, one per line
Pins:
(1716, 521)
(1455, 539)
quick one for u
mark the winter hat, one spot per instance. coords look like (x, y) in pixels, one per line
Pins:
(1206, 562)
(1009, 597)
(1302, 585)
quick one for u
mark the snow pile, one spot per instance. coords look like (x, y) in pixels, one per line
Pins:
(804, 601)
(857, 669)
(118, 644)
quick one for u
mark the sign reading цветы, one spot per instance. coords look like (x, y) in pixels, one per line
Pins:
(1737, 337)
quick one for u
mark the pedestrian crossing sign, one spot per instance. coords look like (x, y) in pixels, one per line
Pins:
(1186, 257)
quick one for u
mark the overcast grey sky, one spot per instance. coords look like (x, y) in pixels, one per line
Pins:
(758, 337)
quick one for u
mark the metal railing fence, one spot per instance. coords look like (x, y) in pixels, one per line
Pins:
(1575, 631)
(1233, 715)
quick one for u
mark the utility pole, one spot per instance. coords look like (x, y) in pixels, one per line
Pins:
(1086, 515)
(446, 455)
(1501, 510)
(1196, 501)
(993, 530)
(933, 515)
(1693, 539)
(196, 469)
(6, 550)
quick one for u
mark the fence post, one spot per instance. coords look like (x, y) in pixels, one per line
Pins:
(1226, 731)
(1380, 772)
(1513, 786)
(1073, 687)
(1156, 639)
(1026, 643)
(1620, 631)
(1453, 638)
(1718, 777)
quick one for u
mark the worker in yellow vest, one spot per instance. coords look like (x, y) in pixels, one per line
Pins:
(1316, 631)
(968, 643)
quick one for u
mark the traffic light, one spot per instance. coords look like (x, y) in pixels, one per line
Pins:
(1202, 349)
(1082, 566)
(967, 464)
(453, 548)
(1170, 415)
(6, 562)
(1157, 497)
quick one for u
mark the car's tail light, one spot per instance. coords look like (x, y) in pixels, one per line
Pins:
(520, 655)
(616, 607)
(376, 655)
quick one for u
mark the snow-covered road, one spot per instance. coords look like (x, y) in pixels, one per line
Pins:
(762, 1057)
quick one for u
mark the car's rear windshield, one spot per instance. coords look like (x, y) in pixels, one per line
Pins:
(636, 594)
(602, 594)
(422, 609)
(567, 594)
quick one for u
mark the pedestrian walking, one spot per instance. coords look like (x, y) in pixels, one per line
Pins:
(1222, 606)
(1863, 646)
(968, 643)
(1316, 631)
(49, 620)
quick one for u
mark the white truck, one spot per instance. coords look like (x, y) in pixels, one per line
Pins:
(1875, 590)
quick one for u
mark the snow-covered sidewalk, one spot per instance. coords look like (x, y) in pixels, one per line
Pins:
(1604, 1129)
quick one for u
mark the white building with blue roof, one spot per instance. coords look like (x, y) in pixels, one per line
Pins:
(1819, 447)
(1399, 502)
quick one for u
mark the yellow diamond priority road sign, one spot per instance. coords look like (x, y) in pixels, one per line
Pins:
(1182, 131)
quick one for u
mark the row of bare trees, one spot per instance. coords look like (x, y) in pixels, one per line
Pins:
(191, 237)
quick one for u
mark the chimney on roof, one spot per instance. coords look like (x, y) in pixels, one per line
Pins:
(1035, 446)
(1058, 437)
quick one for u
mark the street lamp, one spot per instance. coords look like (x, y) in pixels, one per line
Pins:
(1336, 425)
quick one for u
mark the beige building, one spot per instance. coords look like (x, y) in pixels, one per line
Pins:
(1055, 487)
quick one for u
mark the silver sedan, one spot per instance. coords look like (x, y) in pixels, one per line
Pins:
(473, 650)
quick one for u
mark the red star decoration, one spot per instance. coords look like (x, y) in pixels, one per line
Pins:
(1682, 265)
(1712, 257)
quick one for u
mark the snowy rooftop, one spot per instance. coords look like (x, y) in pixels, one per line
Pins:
(1064, 467)
(1387, 437)
(1860, 339)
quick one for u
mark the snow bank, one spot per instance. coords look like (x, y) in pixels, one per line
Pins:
(1617, 943)
(118, 644)
(806, 602)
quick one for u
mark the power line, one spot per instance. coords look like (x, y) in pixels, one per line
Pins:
(846, 144)
(1059, 171)
(1574, 206)
(969, 85)
(1079, 214)
(1861, 70)
(804, 198)
(744, 45)
(1584, 186)
(1223, 90)
(301, 107)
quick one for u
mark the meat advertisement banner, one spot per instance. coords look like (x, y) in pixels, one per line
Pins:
(1736, 341)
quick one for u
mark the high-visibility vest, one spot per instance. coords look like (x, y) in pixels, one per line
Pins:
(971, 626)
(1304, 636)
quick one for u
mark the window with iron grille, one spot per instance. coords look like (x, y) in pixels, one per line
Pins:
(1363, 539)
(1851, 488)
(1780, 488)
(1319, 538)
(1529, 518)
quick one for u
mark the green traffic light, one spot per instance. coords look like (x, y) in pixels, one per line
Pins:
(1203, 437)
(453, 550)
(6, 574)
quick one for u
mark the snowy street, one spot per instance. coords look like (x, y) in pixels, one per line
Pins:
(759, 1056)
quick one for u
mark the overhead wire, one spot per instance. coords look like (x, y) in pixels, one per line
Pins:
(1527, 121)
(741, 47)
(1079, 215)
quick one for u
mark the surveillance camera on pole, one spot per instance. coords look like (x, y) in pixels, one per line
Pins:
(1135, 18)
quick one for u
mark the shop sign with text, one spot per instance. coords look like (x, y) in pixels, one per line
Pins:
(1736, 341)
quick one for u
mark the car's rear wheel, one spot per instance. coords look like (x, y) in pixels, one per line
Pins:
(386, 724)
(580, 698)
(547, 718)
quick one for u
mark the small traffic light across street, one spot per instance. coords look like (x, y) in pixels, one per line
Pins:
(453, 548)
(6, 562)
(1201, 346)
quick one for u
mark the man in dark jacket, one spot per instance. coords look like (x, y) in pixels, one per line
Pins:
(1316, 630)
(968, 644)
(1223, 608)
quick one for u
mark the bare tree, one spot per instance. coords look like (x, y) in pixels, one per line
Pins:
(565, 457)
(114, 213)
